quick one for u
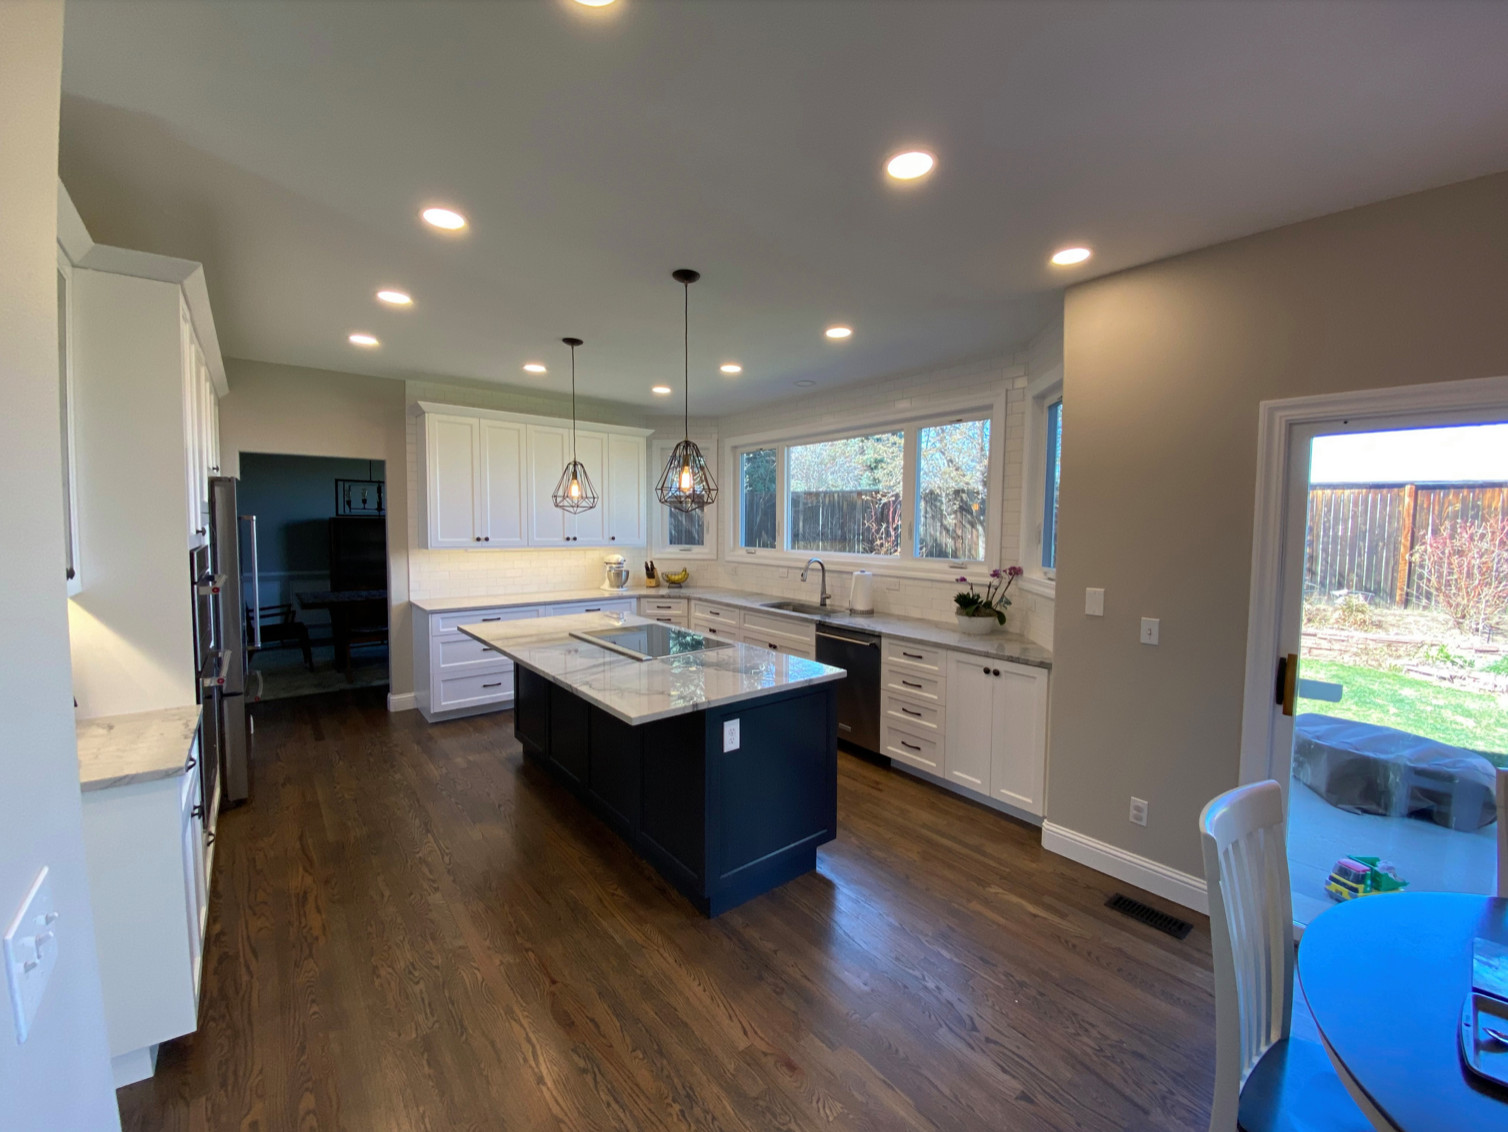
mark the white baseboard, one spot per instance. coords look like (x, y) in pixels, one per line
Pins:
(1181, 888)
(404, 701)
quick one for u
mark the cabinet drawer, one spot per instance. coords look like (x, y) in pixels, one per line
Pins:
(658, 607)
(474, 688)
(921, 751)
(789, 628)
(461, 653)
(713, 629)
(715, 613)
(784, 645)
(678, 619)
(915, 684)
(922, 658)
(924, 717)
(606, 605)
(450, 622)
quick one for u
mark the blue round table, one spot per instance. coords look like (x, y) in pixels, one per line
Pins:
(1385, 977)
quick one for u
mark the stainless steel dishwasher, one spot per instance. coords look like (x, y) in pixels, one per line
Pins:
(858, 653)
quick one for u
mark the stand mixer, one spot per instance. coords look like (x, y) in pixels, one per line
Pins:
(616, 572)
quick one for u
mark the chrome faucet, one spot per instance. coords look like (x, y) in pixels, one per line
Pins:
(822, 601)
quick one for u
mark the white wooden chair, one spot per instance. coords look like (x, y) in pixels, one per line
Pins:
(1264, 1081)
(1502, 784)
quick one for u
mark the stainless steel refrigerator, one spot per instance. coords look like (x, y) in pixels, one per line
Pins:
(230, 665)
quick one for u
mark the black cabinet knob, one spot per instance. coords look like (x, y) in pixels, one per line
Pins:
(986, 671)
(997, 672)
(486, 538)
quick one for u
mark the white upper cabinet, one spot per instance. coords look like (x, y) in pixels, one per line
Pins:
(624, 498)
(489, 480)
(201, 427)
(452, 475)
(505, 493)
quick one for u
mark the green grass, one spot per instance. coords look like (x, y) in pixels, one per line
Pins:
(1451, 715)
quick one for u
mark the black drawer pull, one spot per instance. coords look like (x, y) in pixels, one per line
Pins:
(593, 609)
(190, 765)
(491, 618)
(912, 655)
(908, 711)
(909, 684)
(909, 746)
(499, 684)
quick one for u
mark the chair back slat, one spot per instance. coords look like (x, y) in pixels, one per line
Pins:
(1251, 932)
(1502, 800)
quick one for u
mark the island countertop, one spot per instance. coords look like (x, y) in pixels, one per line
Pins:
(636, 691)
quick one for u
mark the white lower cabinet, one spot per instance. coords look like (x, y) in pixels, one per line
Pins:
(148, 861)
(666, 610)
(997, 730)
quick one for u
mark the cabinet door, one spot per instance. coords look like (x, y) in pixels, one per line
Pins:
(588, 528)
(624, 495)
(198, 530)
(504, 484)
(971, 691)
(1019, 764)
(548, 453)
(452, 476)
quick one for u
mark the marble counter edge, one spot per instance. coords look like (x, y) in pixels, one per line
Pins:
(169, 758)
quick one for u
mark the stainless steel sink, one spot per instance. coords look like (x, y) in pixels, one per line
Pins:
(800, 607)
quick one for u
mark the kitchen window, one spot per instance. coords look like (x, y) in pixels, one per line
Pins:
(922, 494)
(757, 498)
(1051, 473)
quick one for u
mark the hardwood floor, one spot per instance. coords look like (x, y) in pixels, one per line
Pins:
(414, 929)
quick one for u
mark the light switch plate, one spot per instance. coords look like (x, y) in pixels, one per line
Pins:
(31, 952)
(730, 735)
(1149, 630)
(1094, 603)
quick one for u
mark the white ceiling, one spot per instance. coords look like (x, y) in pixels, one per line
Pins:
(290, 147)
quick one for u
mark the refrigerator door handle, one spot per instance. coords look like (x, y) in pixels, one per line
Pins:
(256, 586)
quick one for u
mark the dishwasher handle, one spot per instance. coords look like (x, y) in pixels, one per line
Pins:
(874, 644)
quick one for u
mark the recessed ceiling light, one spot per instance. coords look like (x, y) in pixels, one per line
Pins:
(446, 218)
(594, 3)
(806, 383)
(661, 390)
(360, 339)
(396, 298)
(731, 367)
(533, 367)
(910, 165)
(839, 331)
(1067, 257)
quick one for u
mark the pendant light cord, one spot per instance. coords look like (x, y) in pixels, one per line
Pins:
(686, 360)
(573, 404)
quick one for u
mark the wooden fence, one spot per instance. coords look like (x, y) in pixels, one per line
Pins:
(1362, 538)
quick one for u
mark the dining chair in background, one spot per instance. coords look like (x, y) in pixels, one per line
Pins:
(1265, 1081)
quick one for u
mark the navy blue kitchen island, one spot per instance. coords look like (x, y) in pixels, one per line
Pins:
(718, 767)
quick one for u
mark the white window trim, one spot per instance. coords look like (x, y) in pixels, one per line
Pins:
(1040, 393)
(659, 519)
(908, 418)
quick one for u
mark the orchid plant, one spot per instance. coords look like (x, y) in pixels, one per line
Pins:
(992, 602)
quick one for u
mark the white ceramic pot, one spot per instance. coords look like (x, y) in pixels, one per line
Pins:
(976, 626)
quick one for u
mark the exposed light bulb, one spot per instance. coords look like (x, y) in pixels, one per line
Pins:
(686, 478)
(574, 491)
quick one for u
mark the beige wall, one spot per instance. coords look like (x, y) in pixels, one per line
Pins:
(1164, 367)
(60, 1077)
(306, 412)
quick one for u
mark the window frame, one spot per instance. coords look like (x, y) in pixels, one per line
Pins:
(1041, 394)
(901, 417)
(659, 534)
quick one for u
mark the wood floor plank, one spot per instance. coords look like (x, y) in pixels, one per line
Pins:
(414, 928)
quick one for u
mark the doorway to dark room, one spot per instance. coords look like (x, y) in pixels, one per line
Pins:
(315, 568)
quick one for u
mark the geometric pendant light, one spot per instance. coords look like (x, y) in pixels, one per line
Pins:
(574, 491)
(686, 484)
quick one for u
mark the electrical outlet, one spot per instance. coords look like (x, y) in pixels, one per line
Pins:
(1150, 627)
(1094, 603)
(730, 735)
(1138, 811)
(31, 951)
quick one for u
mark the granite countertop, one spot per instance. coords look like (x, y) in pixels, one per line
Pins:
(115, 750)
(1002, 646)
(640, 691)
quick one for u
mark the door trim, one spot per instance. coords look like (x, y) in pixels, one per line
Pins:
(1435, 403)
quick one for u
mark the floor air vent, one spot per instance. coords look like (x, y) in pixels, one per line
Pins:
(1150, 916)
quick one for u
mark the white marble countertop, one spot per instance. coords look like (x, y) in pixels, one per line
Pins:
(640, 691)
(118, 749)
(1002, 646)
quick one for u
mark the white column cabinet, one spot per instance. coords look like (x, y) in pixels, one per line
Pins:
(489, 478)
(997, 730)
